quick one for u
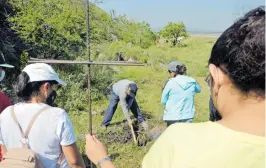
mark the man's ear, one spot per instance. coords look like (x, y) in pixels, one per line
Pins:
(127, 89)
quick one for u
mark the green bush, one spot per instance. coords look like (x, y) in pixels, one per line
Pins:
(75, 95)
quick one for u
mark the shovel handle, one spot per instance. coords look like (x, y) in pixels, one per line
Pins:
(133, 134)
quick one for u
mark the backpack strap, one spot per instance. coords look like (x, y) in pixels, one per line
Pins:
(60, 159)
(16, 121)
(26, 133)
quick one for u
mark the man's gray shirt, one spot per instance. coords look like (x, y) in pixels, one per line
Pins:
(119, 89)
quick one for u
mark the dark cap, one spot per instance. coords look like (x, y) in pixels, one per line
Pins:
(3, 62)
(133, 89)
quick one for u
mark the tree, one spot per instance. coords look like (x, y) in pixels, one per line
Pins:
(58, 27)
(139, 34)
(57, 30)
(11, 46)
(174, 31)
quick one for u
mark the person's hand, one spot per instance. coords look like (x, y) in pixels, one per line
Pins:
(95, 150)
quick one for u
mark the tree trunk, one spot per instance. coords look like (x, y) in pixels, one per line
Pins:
(175, 41)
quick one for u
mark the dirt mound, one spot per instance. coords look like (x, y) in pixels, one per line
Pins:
(121, 133)
(123, 136)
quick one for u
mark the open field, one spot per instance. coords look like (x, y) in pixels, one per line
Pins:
(150, 80)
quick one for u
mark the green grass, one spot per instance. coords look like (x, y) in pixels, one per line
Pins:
(150, 80)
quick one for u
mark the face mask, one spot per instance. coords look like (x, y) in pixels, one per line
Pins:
(50, 100)
(2, 75)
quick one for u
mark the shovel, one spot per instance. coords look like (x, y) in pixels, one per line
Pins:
(133, 133)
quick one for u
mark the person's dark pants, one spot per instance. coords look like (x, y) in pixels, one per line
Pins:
(170, 122)
(114, 99)
(214, 114)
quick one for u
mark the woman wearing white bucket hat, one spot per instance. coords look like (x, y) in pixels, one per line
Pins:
(52, 135)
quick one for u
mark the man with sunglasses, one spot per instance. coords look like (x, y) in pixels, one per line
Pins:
(124, 91)
(4, 100)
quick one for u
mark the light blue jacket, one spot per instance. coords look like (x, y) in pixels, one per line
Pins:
(178, 98)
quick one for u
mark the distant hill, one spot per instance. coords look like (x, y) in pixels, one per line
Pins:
(197, 33)
(202, 32)
(193, 31)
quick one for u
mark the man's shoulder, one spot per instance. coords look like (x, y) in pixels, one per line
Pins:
(125, 82)
(121, 85)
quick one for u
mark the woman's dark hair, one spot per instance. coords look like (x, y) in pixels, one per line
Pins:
(25, 90)
(181, 69)
(240, 52)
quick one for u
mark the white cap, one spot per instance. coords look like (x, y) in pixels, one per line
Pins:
(42, 72)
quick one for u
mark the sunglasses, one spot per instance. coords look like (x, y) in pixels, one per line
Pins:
(208, 80)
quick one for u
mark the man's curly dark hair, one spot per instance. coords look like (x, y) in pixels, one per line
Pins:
(240, 50)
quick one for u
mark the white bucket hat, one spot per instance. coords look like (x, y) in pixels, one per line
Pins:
(42, 72)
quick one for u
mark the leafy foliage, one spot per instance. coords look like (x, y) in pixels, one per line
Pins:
(11, 46)
(56, 26)
(174, 31)
(139, 34)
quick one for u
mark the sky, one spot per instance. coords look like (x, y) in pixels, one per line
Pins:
(198, 15)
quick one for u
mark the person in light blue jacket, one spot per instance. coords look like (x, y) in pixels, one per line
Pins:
(178, 95)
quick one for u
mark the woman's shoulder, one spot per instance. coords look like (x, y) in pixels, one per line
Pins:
(209, 130)
(55, 112)
(6, 111)
(191, 126)
(27, 107)
(190, 78)
(171, 81)
(190, 129)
